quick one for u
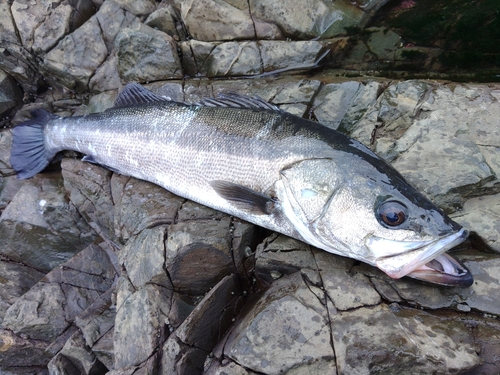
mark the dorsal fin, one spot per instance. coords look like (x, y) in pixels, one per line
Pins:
(235, 100)
(133, 94)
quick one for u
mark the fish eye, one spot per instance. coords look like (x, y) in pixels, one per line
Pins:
(392, 213)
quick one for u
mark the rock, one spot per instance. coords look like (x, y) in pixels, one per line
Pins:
(16, 280)
(139, 8)
(482, 216)
(10, 94)
(76, 57)
(280, 55)
(216, 21)
(41, 228)
(309, 19)
(142, 316)
(400, 338)
(350, 101)
(274, 324)
(76, 358)
(145, 54)
(234, 59)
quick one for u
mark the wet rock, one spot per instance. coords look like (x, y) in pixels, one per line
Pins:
(83, 50)
(273, 324)
(146, 54)
(141, 315)
(350, 100)
(41, 228)
(214, 21)
(309, 19)
(15, 279)
(42, 25)
(248, 58)
(10, 93)
(76, 358)
(47, 309)
(482, 216)
(399, 339)
(139, 205)
(89, 190)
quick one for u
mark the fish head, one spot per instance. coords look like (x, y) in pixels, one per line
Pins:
(372, 214)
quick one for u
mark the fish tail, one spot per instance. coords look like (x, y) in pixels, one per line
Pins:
(29, 154)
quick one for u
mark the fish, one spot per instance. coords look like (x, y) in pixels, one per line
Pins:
(244, 156)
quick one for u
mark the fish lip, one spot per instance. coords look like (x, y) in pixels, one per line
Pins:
(459, 276)
(403, 264)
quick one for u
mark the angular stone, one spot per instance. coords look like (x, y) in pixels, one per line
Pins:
(141, 204)
(76, 358)
(347, 290)
(76, 57)
(280, 255)
(146, 54)
(283, 55)
(214, 21)
(234, 59)
(21, 352)
(10, 94)
(144, 258)
(399, 339)
(198, 254)
(141, 316)
(40, 228)
(88, 186)
(481, 215)
(178, 358)
(39, 314)
(288, 318)
(210, 319)
(15, 280)
(308, 19)
(106, 76)
(141, 8)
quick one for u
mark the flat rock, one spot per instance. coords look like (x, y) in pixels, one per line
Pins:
(146, 54)
(391, 340)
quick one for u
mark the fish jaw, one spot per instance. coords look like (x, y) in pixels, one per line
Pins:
(417, 263)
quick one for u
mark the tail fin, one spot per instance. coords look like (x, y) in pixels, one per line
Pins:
(29, 155)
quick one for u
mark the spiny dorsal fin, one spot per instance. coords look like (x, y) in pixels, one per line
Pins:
(244, 198)
(235, 100)
(133, 94)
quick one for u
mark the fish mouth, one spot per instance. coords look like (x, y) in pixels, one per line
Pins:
(427, 261)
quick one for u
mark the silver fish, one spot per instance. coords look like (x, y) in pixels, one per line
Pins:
(244, 156)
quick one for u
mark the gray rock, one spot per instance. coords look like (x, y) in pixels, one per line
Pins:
(198, 254)
(234, 59)
(341, 105)
(137, 8)
(139, 205)
(41, 228)
(274, 324)
(282, 55)
(142, 316)
(400, 338)
(482, 216)
(106, 76)
(76, 358)
(16, 279)
(146, 54)
(89, 190)
(216, 21)
(76, 57)
(10, 93)
(22, 352)
(309, 19)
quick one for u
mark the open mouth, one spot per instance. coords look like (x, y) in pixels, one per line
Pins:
(428, 262)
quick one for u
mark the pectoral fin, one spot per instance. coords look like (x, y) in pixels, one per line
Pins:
(244, 198)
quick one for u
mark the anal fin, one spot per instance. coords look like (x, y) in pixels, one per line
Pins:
(244, 198)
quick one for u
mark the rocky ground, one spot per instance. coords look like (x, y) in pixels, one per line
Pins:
(106, 274)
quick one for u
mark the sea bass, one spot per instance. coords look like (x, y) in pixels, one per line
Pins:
(247, 158)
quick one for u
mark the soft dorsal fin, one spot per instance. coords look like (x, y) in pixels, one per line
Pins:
(133, 94)
(235, 100)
